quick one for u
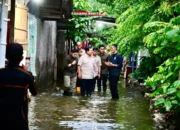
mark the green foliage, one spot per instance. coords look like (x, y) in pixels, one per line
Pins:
(95, 41)
(79, 25)
(153, 25)
(141, 24)
(78, 28)
(81, 5)
(147, 67)
(166, 84)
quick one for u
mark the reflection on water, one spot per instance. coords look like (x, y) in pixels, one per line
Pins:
(55, 112)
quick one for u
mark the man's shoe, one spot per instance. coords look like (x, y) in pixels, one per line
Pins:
(115, 97)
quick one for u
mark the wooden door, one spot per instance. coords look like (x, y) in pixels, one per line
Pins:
(21, 26)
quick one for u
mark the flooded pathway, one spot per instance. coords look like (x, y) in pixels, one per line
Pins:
(51, 111)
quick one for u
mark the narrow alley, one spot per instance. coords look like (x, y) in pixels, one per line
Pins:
(52, 111)
(89, 64)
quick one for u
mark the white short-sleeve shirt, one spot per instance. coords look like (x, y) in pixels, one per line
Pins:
(87, 64)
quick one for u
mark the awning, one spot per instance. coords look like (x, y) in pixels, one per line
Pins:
(106, 19)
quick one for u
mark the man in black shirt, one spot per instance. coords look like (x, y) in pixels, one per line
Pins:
(14, 83)
(115, 65)
(70, 72)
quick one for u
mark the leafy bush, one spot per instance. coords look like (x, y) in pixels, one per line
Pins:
(147, 67)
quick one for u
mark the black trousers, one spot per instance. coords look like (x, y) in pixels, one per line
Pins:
(102, 79)
(94, 83)
(113, 80)
(86, 87)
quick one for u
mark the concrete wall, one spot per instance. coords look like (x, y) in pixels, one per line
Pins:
(46, 48)
(60, 56)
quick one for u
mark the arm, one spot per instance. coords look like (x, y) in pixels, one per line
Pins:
(79, 68)
(119, 62)
(99, 66)
(99, 69)
(74, 62)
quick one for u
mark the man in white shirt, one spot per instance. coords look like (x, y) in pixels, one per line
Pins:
(80, 53)
(86, 71)
(98, 64)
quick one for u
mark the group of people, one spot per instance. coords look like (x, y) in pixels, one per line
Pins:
(85, 67)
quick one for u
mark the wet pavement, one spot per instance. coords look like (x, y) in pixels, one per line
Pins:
(52, 111)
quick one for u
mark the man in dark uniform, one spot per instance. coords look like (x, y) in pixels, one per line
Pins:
(14, 83)
(115, 65)
(70, 73)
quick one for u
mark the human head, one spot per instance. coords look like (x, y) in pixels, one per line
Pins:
(89, 51)
(79, 45)
(102, 49)
(74, 53)
(14, 53)
(95, 51)
(114, 48)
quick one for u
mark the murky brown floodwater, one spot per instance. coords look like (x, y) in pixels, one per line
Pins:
(52, 111)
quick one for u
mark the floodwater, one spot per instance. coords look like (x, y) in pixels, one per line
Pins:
(52, 111)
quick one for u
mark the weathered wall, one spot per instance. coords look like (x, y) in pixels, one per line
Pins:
(45, 57)
(60, 56)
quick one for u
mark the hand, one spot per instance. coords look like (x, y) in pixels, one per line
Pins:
(69, 65)
(107, 63)
(113, 65)
(79, 76)
(74, 62)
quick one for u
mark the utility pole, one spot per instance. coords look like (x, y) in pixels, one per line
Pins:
(12, 20)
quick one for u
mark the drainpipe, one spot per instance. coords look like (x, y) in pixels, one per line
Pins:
(3, 32)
